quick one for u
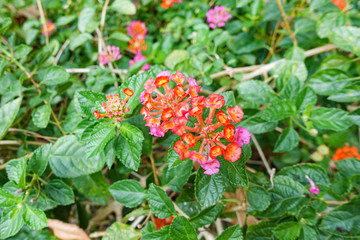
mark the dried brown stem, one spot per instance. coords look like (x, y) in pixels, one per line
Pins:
(286, 23)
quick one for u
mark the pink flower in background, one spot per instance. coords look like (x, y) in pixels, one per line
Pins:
(242, 136)
(211, 166)
(139, 57)
(156, 132)
(217, 17)
(137, 29)
(111, 54)
(48, 28)
(313, 188)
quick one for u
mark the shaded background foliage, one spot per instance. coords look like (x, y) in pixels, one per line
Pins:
(299, 90)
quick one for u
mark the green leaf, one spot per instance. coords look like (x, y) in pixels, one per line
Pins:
(128, 192)
(43, 202)
(209, 188)
(331, 118)
(256, 125)
(175, 57)
(261, 231)
(256, 91)
(3, 64)
(355, 116)
(343, 220)
(235, 172)
(68, 159)
(128, 152)
(162, 234)
(8, 114)
(159, 202)
(40, 159)
(78, 40)
(207, 216)
(131, 133)
(178, 176)
(125, 7)
(181, 229)
(329, 81)
(22, 51)
(120, 231)
(100, 135)
(279, 110)
(231, 233)
(287, 231)
(329, 21)
(5, 24)
(6, 199)
(349, 94)
(258, 198)
(347, 38)
(287, 140)
(55, 75)
(41, 116)
(298, 172)
(12, 222)
(287, 196)
(34, 218)
(286, 69)
(295, 53)
(59, 192)
(85, 16)
(307, 233)
(305, 97)
(291, 88)
(16, 171)
(187, 202)
(307, 216)
(348, 167)
(93, 186)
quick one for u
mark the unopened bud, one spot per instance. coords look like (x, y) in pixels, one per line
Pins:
(322, 149)
(316, 156)
(313, 132)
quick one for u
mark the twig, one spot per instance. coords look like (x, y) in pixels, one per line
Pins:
(180, 211)
(146, 220)
(103, 15)
(230, 71)
(43, 20)
(2, 166)
(287, 25)
(86, 70)
(219, 226)
(262, 155)
(29, 133)
(154, 170)
(62, 49)
(268, 67)
(97, 234)
(8, 44)
(15, 142)
(335, 203)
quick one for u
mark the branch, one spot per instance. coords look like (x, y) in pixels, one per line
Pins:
(43, 20)
(86, 70)
(262, 69)
(287, 25)
(15, 142)
(62, 49)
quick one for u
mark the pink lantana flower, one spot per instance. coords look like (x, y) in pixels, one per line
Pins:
(313, 188)
(137, 29)
(48, 28)
(217, 17)
(211, 166)
(242, 136)
(156, 131)
(139, 57)
(111, 54)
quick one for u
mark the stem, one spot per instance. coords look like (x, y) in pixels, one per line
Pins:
(287, 25)
(154, 170)
(43, 20)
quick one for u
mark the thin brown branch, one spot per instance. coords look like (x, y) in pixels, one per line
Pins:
(86, 70)
(152, 160)
(286, 23)
(103, 16)
(62, 49)
(43, 20)
(16, 142)
(262, 155)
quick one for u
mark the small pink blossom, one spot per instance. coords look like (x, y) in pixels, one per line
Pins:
(139, 57)
(313, 188)
(48, 28)
(111, 54)
(242, 136)
(137, 29)
(164, 73)
(191, 81)
(155, 131)
(217, 17)
(141, 97)
(211, 166)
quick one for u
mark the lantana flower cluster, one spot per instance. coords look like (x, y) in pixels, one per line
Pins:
(167, 108)
(48, 28)
(169, 3)
(345, 153)
(217, 16)
(111, 54)
(137, 30)
(114, 107)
